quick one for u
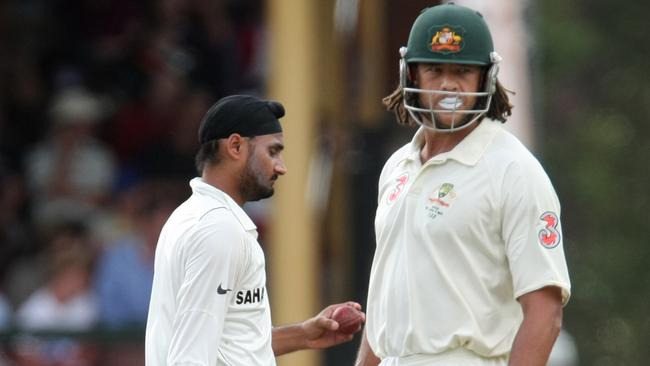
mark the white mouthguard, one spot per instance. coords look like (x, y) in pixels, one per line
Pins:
(450, 103)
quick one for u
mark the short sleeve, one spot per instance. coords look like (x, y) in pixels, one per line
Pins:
(532, 230)
(211, 266)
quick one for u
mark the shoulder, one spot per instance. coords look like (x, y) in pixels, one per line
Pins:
(399, 155)
(508, 152)
(515, 168)
(205, 225)
(220, 220)
(219, 231)
(393, 161)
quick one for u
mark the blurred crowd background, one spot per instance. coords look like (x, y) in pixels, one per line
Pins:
(100, 102)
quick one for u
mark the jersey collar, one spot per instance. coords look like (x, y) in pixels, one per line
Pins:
(200, 187)
(467, 152)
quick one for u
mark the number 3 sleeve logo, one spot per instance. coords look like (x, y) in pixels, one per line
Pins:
(549, 236)
(395, 192)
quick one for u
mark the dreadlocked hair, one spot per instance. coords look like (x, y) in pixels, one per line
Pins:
(395, 103)
(500, 106)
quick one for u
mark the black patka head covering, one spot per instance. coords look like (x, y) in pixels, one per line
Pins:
(243, 114)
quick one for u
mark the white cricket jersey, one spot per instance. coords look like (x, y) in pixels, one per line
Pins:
(459, 238)
(209, 304)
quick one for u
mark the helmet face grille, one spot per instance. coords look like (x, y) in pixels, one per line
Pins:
(450, 33)
(460, 118)
(441, 102)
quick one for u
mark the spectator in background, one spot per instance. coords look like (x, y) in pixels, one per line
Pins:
(63, 303)
(27, 273)
(125, 269)
(70, 174)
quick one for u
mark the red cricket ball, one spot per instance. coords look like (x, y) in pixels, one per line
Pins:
(349, 318)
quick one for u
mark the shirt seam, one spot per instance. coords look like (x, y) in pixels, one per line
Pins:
(197, 311)
(210, 210)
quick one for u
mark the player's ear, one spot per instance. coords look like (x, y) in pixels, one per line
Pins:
(235, 146)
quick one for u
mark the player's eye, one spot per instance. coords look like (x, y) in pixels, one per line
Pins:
(274, 151)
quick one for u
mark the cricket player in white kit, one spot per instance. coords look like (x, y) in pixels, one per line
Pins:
(209, 305)
(469, 267)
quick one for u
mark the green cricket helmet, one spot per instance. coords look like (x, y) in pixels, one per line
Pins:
(449, 33)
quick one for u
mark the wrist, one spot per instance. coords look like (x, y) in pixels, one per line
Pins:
(304, 341)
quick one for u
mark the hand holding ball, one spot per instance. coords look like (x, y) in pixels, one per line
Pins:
(349, 319)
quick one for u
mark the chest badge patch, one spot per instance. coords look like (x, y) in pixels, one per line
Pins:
(549, 236)
(400, 182)
(440, 199)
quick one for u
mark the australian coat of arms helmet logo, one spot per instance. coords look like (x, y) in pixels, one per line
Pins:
(447, 39)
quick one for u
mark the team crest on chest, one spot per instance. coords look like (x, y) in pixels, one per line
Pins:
(440, 199)
(400, 183)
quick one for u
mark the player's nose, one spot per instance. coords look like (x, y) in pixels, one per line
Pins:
(280, 168)
(448, 82)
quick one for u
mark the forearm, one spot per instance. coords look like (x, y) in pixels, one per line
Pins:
(288, 338)
(536, 336)
(533, 344)
(314, 333)
(366, 357)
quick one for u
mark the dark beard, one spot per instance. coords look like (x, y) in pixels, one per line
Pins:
(252, 185)
(252, 191)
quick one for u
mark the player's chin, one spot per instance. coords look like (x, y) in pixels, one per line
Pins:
(447, 120)
(262, 194)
